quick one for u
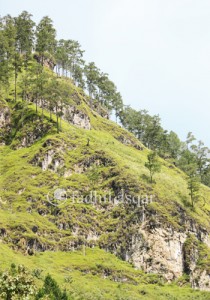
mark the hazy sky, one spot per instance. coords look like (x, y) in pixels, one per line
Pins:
(156, 51)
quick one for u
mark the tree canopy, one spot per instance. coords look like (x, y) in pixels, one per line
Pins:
(21, 40)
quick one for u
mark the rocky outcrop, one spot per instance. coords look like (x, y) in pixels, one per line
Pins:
(30, 134)
(130, 141)
(161, 249)
(76, 117)
(4, 116)
(46, 61)
(49, 161)
(150, 241)
(5, 123)
(71, 113)
(51, 158)
(200, 279)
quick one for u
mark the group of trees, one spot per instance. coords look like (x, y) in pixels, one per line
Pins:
(148, 129)
(195, 158)
(191, 156)
(16, 44)
(47, 91)
(153, 164)
(101, 90)
(21, 40)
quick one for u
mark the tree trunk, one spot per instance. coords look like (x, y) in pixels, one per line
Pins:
(42, 109)
(57, 120)
(60, 124)
(15, 86)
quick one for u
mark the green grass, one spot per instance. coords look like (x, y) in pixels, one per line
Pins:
(96, 274)
(105, 165)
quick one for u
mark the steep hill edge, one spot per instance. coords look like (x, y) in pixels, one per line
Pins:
(92, 153)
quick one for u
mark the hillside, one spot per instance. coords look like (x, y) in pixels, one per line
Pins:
(151, 226)
(90, 209)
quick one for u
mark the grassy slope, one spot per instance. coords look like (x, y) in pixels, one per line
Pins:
(96, 274)
(22, 179)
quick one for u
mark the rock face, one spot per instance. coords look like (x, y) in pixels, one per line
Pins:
(5, 122)
(200, 279)
(127, 140)
(160, 249)
(47, 62)
(72, 114)
(31, 134)
(4, 116)
(50, 162)
(76, 117)
(49, 159)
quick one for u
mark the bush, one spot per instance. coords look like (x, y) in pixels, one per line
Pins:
(17, 281)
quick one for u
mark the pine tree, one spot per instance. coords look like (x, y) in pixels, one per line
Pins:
(9, 59)
(24, 46)
(78, 76)
(202, 157)
(117, 104)
(153, 164)
(193, 183)
(57, 93)
(4, 62)
(75, 55)
(45, 38)
(24, 33)
(174, 145)
(61, 56)
(92, 77)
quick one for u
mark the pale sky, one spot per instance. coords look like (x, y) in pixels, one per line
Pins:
(156, 51)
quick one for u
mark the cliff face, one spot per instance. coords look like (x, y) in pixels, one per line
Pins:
(92, 154)
(161, 250)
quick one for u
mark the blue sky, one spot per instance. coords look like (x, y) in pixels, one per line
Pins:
(156, 51)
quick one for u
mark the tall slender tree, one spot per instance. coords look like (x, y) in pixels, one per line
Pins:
(92, 77)
(202, 157)
(24, 44)
(193, 183)
(75, 56)
(152, 164)
(61, 56)
(45, 38)
(10, 60)
(4, 62)
(25, 34)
